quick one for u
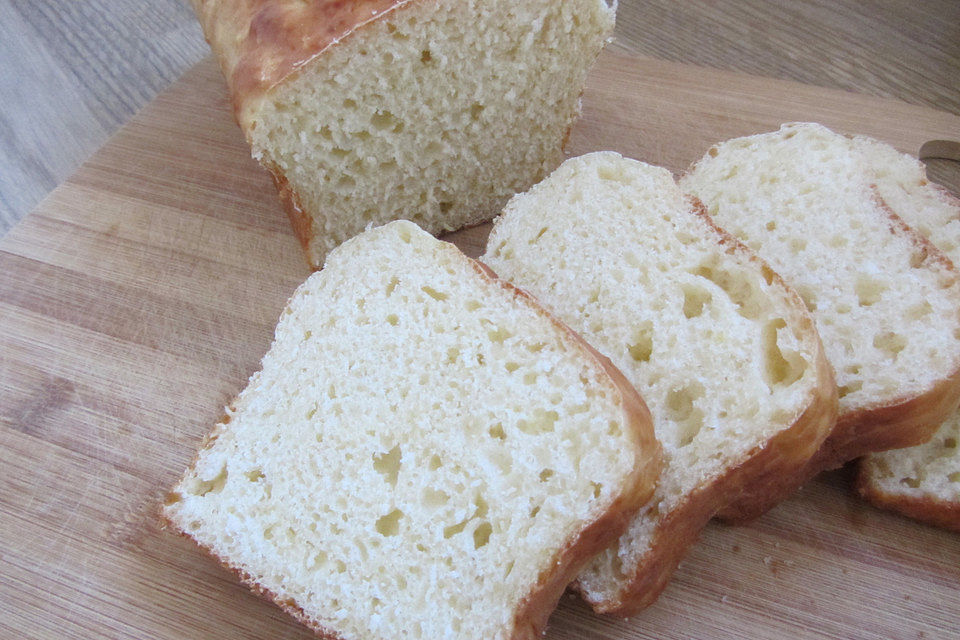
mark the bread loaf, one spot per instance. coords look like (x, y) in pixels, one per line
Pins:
(724, 353)
(425, 453)
(434, 111)
(886, 301)
(922, 482)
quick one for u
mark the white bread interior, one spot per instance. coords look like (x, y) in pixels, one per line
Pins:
(886, 301)
(436, 112)
(922, 481)
(425, 453)
(724, 353)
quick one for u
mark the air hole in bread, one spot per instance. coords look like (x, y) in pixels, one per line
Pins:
(383, 120)
(511, 366)
(890, 342)
(434, 497)
(780, 367)
(497, 432)
(389, 524)
(481, 535)
(851, 387)
(476, 109)
(214, 485)
(954, 477)
(597, 489)
(868, 290)
(694, 299)
(950, 443)
(539, 235)
(740, 290)
(641, 346)
(546, 474)
(540, 422)
(254, 475)
(426, 57)
(681, 408)
(499, 335)
(613, 174)
(919, 310)
(913, 483)
(393, 320)
(388, 464)
(433, 293)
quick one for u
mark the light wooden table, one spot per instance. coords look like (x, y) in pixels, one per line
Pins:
(72, 72)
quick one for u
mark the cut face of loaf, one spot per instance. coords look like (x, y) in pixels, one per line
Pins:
(886, 301)
(424, 454)
(724, 353)
(922, 482)
(435, 111)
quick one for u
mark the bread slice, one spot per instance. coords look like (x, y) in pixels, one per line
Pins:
(886, 301)
(373, 110)
(725, 354)
(922, 482)
(425, 453)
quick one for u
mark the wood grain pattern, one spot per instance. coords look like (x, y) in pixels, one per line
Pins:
(137, 299)
(72, 72)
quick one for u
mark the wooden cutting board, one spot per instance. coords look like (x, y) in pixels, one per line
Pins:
(140, 295)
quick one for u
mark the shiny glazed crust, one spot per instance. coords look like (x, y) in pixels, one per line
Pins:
(532, 615)
(939, 513)
(258, 43)
(766, 475)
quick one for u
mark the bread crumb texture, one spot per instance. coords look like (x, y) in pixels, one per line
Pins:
(419, 447)
(930, 471)
(886, 306)
(436, 112)
(723, 353)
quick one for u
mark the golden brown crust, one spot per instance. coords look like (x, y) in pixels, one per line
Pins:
(258, 43)
(927, 508)
(300, 220)
(531, 618)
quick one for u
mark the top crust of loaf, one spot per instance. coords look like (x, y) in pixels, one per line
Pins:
(260, 42)
(337, 350)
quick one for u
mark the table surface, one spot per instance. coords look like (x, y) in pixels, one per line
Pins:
(72, 72)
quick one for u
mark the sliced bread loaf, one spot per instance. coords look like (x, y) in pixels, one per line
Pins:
(373, 110)
(426, 453)
(725, 354)
(922, 482)
(886, 301)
